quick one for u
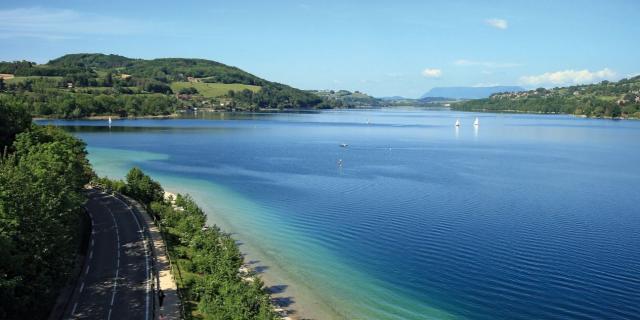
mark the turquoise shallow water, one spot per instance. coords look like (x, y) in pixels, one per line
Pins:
(524, 217)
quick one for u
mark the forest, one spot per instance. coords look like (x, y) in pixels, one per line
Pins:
(42, 174)
(607, 99)
(86, 85)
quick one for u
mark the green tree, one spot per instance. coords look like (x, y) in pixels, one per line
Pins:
(108, 80)
(142, 187)
(13, 119)
(40, 208)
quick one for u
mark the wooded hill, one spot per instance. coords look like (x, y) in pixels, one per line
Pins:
(82, 85)
(606, 99)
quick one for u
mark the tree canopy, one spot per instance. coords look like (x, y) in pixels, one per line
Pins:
(41, 197)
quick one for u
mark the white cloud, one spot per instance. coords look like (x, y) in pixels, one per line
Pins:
(497, 23)
(486, 64)
(55, 24)
(432, 73)
(568, 77)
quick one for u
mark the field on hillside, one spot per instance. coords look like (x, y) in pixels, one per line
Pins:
(21, 79)
(212, 90)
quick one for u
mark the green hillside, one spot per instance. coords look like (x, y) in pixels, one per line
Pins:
(619, 99)
(84, 85)
(345, 97)
(211, 90)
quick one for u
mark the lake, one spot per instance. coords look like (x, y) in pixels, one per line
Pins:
(523, 217)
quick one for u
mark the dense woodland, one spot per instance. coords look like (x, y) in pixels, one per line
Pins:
(208, 259)
(619, 99)
(83, 85)
(42, 176)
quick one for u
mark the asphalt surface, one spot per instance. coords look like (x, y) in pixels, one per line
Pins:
(115, 282)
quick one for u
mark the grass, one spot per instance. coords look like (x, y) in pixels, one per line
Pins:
(21, 79)
(85, 89)
(213, 90)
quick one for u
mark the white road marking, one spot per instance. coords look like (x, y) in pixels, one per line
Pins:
(91, 254)
(73, 311)
(82, 287)
(87, 271)
(115, 279)
(146, 256)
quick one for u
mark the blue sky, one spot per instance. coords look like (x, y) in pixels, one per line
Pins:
(383, 48)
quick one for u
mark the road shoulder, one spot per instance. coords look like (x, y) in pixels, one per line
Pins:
(164, 278)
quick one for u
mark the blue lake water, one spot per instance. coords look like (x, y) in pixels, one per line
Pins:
(524, 217)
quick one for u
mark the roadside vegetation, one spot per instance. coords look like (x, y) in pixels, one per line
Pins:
(42, 175)
(207, 260)
(619, 99)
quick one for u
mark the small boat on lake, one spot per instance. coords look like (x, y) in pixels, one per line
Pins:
(457, 122)
(476, 122)
(344, 145)
(109, 121)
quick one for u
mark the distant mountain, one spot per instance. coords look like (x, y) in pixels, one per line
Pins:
(435, 99)
(469, 92)
(392, 98)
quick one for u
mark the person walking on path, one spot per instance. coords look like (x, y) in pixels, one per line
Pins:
(160, 297)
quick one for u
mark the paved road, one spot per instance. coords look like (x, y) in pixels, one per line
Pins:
(115, 282)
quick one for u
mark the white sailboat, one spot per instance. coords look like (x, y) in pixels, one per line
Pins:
(476, 122)
(109, 121)
(457, 122)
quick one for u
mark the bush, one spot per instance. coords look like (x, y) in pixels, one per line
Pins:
(142, 188)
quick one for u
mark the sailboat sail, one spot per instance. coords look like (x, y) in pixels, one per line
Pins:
(476, 122)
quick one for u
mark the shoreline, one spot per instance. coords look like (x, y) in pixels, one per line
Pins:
(284, 291)
(170, 116)
(584, 116)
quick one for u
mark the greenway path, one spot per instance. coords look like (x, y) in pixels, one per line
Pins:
(118, 280)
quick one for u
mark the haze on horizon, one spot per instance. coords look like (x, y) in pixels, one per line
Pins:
(384, 48)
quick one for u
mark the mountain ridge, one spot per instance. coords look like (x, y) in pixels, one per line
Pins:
(461, 92)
